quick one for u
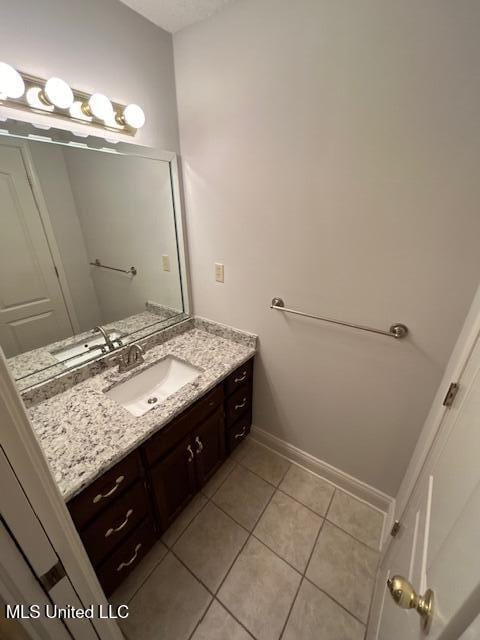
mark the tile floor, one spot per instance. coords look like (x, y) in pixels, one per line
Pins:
(266, 551)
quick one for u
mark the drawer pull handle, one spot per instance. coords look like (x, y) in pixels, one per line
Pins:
(122, 565)
(240, 406)
(200, 445)
(239, 436)
(102, 496)
(120, 527)
(244, 377)
(190, 453)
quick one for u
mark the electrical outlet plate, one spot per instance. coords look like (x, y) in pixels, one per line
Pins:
(219, 272)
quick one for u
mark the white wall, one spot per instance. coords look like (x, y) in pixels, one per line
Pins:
(49, 165)
(125, 209)
(97, 45)
(330, 156)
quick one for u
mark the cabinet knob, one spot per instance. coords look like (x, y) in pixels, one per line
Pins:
(240, 406)
(239, 436)
(127, 563)
(199, 445)
(102, 496)
(121, 526)
(190, 453)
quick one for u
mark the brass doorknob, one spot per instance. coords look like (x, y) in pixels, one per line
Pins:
(407, 598)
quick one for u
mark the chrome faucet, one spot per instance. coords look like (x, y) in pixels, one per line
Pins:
(130, 358)
(106, 337)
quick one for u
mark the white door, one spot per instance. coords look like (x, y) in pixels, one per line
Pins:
(438, 546)
(32, 308)
(27, 583)
(19, 586)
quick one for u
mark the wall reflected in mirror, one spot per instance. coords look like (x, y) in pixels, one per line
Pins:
(89, 258)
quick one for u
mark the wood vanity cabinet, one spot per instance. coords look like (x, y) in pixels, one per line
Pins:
(177, 476)
(121, 514)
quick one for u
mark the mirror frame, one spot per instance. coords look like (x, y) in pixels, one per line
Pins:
(26, 131)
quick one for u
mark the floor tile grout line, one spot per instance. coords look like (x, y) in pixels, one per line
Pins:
(202, 618)
(303, 576)
(350, 535)
(235, 618)
(279, 556)
(240, 464)
(250, 534)
(231, 517)
(339, 604)
(215, 599)
(236, 558)
(182, 562)
(323, 516)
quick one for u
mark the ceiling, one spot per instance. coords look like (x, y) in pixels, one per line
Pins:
(173, 15)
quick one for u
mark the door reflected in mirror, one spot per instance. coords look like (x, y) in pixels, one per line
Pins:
(89, 254)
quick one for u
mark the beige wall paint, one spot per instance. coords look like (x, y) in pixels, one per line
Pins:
(330, 156)
(97, 45)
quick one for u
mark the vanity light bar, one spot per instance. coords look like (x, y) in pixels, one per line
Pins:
(55, 97)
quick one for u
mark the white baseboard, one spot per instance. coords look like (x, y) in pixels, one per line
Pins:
(344, 481)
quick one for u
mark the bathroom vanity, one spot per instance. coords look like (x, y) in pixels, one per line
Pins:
(126, 478)
(120, 515)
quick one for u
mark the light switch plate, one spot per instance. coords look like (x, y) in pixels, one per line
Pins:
(219, 272)
(166, 263)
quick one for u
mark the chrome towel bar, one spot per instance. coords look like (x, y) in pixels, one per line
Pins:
(397, 331)
(132, 271)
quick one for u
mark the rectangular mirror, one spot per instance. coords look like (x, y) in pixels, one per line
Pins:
(91, 253)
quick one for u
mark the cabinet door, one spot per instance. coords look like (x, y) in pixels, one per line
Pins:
(173, 481)
(209, 446)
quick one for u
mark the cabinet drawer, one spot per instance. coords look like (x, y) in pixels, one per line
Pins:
(241, 376)
(115, 523)
(239, 431)
(173, 433)
(104, 490)
(126, 557)
(238, 403)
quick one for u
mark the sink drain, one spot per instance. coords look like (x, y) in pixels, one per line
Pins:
(152, 400)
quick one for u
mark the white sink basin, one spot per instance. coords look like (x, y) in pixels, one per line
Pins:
(144, 391)
(80, 352)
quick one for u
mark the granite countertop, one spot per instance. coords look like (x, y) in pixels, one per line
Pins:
(83, 433)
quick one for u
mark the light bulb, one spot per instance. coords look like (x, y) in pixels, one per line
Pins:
(76, 111)
(35, 101)
(134, 116)
(58, 93)
(100, 107)
(11, 82)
